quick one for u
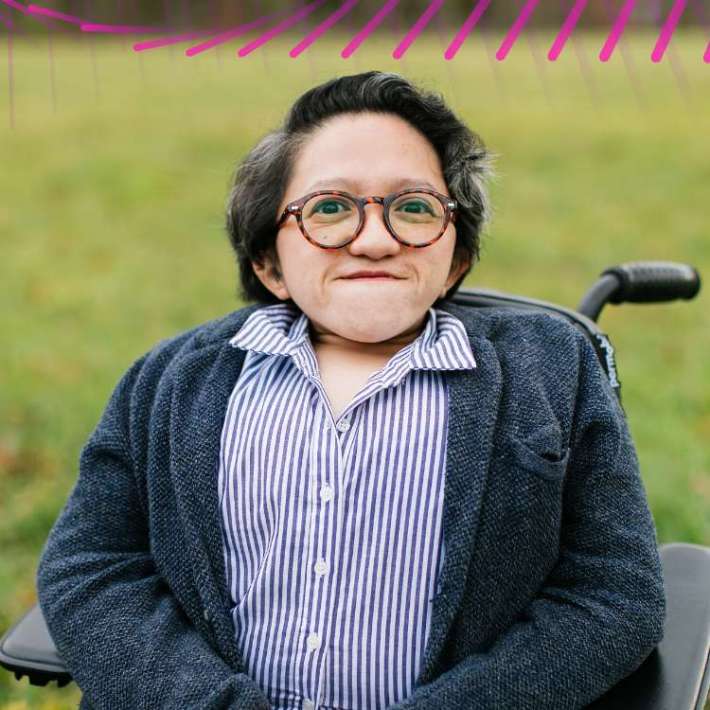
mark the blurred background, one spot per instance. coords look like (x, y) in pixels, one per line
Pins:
(222, 13)
(115, 168)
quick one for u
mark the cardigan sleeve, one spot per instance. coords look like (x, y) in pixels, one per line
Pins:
(601, 610)
(120, 631)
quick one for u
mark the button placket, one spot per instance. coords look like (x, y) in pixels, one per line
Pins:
(318, 566)
(326, 495)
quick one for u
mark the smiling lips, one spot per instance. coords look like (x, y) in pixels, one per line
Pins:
(371, 275)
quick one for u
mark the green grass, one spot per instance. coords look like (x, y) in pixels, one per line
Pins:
(112, 236)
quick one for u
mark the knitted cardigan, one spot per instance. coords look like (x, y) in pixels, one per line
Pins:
(552, 588)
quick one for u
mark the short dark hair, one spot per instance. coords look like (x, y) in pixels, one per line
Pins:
(260, 180)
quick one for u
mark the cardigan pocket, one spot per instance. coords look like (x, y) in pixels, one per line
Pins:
(518, 537)
(543, 460)
(531, 475)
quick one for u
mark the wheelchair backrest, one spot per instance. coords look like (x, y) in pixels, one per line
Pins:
(489, 298)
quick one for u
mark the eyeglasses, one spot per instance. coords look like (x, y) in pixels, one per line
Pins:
(331, 219)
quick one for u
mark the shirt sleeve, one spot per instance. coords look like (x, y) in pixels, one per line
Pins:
(602, 609)
(122, 634)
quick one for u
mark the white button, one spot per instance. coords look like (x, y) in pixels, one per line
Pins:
(308, 704)
(326, 493)
(313, 641)
(343, 424)
(320, 567)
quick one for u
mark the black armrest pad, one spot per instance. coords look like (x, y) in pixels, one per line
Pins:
(27, 649)
(676, 675)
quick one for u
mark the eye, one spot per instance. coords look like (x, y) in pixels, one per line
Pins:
(328, 206)
(415, 206)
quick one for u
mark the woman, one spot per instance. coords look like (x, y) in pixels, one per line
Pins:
(355, 493)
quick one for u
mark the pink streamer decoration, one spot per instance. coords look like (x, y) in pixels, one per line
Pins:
(311, 37)
(667, 32)
(47, 12)
(416, 30)
(467, 27)
(516, 29)
(569, 24)
(281, 27)
(616, 31)
(369, 27)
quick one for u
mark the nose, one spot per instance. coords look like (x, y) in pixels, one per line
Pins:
(374, 239)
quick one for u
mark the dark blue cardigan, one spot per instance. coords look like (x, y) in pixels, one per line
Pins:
(552, 588)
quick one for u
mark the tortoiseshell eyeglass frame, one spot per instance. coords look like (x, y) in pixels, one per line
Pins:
(296, 208)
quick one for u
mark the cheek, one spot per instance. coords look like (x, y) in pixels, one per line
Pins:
(306, 269)
(295, 257)
(441, 261)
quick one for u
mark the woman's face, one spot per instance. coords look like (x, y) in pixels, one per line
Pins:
(364, 154)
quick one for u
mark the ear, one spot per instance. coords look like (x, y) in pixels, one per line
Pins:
(269, 273)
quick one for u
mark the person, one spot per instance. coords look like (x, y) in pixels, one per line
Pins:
(355, 493)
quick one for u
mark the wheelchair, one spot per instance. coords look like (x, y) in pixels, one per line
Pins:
(676, 676)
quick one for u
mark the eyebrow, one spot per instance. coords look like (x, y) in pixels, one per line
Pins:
(395, 185)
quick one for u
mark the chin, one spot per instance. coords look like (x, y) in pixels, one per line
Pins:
(370, 332)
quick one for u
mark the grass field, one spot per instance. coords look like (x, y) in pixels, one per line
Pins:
(111, 221)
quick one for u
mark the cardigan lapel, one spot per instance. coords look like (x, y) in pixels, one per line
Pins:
(202, 386)
(474, 397)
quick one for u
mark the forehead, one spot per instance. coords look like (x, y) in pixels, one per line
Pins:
(366, 153)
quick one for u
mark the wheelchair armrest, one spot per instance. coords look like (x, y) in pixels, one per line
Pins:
(27, 649)
(677, 673)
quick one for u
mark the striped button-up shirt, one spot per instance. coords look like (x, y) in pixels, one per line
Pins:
(332, 528)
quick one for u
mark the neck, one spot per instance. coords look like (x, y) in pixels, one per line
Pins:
(322, 337)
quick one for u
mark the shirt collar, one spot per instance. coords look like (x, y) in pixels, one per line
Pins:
(280, 329)
(283, 329)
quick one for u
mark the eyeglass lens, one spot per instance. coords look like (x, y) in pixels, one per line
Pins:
(332, 220)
